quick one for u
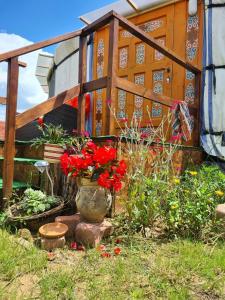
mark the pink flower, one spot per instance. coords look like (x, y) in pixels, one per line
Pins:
(101, 248)
(109, 101)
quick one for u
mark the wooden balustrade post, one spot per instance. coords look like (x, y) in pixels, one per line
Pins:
(111, 93)
(196, 131)
(10, 125)
(82, 79)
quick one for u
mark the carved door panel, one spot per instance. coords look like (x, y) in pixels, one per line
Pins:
(143, 65)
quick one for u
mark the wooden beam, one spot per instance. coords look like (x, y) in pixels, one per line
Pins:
(94, 85)
(144, 37)
(99, 23)
(22, 64)
(10, 124)
(139, 90)
(82, 78)
(39, 45)
(3, 100)
(111, 93)
(46, 106)
(133, 5)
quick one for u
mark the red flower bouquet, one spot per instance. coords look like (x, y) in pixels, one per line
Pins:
(97, 163)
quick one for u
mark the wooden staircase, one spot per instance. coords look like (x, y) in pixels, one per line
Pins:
(111, 82)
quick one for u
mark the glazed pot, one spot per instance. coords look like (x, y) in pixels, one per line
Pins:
(93, 202)
(53, 152)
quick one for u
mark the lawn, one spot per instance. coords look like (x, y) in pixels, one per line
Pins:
(145, 269)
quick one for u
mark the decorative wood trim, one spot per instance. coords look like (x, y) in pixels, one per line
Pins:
(111, 93)
(39, 45)
(144, 37)
(139, 90)
(46, 106)
(82, 78)
(9, 147)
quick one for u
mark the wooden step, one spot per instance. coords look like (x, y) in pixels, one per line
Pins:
(16, 185)
(30, 161)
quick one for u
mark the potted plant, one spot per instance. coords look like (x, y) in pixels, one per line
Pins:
(35, 208)
(53, 139)
(98, 172)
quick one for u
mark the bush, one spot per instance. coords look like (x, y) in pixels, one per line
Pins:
(185, 205)
(191, 203)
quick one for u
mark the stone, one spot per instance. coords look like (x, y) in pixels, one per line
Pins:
(91, 234)
(51, 244)
(220, 211)
(71, 222)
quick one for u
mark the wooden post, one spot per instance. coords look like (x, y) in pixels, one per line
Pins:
(82, 79)
(197, 129)
(10, 125)
(111, 93)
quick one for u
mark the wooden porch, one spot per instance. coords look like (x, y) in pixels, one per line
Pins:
(112, 82)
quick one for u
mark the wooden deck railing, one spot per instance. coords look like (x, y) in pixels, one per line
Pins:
(111, 82)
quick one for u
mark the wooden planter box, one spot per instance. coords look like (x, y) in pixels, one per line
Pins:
(52, 153)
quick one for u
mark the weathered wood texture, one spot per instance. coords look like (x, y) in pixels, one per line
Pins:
(112, 73)
(46, 106)
(10, 125)
(82, 78)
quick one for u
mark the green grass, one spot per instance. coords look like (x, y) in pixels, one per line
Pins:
(145, 270)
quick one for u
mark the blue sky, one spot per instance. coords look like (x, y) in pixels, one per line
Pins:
(23, 22)
(36, 20)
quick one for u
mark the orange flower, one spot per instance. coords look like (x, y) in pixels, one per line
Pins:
(106, 254)
(117, 251)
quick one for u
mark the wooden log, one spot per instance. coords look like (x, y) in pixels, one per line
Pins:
(10, 124)
(144, 37)
(82, 79)
(139, 90)
(111, 93)
(39, 45)
(46, 106)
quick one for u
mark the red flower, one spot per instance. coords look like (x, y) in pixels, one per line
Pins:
(104, 155)
(104, 180)
(109, 101)
(106, 254)
(117, 251)
(118, 241)
(91, 145)
(40, 121)
(73, 245)
(122, 168)
(124, 120)
(144, 135)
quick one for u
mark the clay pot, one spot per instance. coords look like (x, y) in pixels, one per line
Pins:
(93, 202)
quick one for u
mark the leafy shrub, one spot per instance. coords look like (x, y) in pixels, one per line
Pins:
(50, 134)
(191, 203)
(35, 202)
(185, 205)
